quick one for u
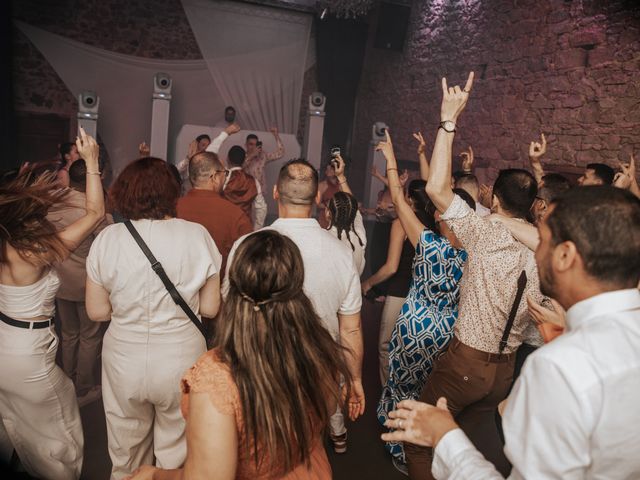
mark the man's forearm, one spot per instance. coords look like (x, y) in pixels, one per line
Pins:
(352, 340)
(439, 182)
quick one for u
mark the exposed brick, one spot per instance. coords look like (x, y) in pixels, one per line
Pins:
(541, 64)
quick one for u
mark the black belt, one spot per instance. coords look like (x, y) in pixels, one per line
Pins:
(27, 325)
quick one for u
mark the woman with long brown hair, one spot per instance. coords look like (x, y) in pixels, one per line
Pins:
(38, 405)
(257, 405)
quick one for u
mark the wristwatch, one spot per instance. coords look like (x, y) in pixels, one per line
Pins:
(448, 126)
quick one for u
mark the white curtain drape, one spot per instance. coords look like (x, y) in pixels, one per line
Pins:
(125, 86)
(257, 58)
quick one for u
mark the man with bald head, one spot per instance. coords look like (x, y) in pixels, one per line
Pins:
(331, 280)
(203, 204)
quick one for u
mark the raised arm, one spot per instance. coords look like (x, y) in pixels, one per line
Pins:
(439, 184)
(536, 151)
(338, 166)
(75, 233)
(279, 153)
(390, 267)
(422, 156)
(524, 232)
(351, 338)
(376, 174)
(217, 142)
(410, 223)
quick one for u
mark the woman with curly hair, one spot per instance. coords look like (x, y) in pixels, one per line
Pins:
(38, 405)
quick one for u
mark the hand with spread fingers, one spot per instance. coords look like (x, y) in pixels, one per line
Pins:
(454, 99)
(422, 145)
(419, 423)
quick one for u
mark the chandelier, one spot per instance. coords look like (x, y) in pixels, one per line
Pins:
(347, 8)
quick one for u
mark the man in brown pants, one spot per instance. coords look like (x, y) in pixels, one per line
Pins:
(476, 371)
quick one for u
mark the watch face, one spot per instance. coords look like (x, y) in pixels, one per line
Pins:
(449, 126)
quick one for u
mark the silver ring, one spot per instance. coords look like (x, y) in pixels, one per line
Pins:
(400, 424)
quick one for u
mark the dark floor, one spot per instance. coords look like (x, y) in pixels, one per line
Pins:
(365, 458)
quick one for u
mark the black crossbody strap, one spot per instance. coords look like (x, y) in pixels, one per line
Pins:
(171, 288)
(522, 283)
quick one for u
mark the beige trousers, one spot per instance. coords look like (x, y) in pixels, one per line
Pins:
(81, 344)
(141, 394)
(38, 406)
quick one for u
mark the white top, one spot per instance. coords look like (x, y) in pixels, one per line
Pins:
(481, 210)
(30, 301)
(331, 280)
(358, 250)
(141, 305)
(573, 413)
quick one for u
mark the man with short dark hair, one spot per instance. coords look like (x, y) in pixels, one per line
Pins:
(205, 205)
(551, 187)
(573, 413)
(476, 372)
(331, 280)
(597, 174)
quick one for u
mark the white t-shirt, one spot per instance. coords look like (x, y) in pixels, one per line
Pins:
(141, 305)
(331, 280)
(358, 250)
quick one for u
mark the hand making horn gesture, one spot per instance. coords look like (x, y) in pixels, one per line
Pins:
(454, 99)
(467, 159)
(536, 150)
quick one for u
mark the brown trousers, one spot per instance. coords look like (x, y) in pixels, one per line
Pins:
(473, 382)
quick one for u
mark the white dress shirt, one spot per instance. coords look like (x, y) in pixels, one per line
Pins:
(574, 413)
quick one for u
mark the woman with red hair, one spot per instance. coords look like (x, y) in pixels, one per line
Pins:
(150, 341)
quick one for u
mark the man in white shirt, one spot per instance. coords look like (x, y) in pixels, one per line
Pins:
(331, 280)
(573, 412)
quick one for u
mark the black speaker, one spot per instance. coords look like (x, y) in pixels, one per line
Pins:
(393, 20)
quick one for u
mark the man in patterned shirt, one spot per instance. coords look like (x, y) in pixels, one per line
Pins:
(476, 372)
(257, 159)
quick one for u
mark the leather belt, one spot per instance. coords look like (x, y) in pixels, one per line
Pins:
(28, 325)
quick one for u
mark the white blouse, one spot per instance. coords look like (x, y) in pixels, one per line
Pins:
(30, 301)
(142, 309)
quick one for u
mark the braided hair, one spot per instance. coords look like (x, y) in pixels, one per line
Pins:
(343, 208)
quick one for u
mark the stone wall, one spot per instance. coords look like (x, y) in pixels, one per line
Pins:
(152, 29)
(570, 69)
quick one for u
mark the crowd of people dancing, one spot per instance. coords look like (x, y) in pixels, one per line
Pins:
(227, 349)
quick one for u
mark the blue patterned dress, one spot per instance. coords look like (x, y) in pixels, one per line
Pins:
(425, 324)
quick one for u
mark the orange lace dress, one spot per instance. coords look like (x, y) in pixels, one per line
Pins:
(210, 375)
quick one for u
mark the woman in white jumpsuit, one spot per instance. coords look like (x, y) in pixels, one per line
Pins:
(38, 406)
(150, 342)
